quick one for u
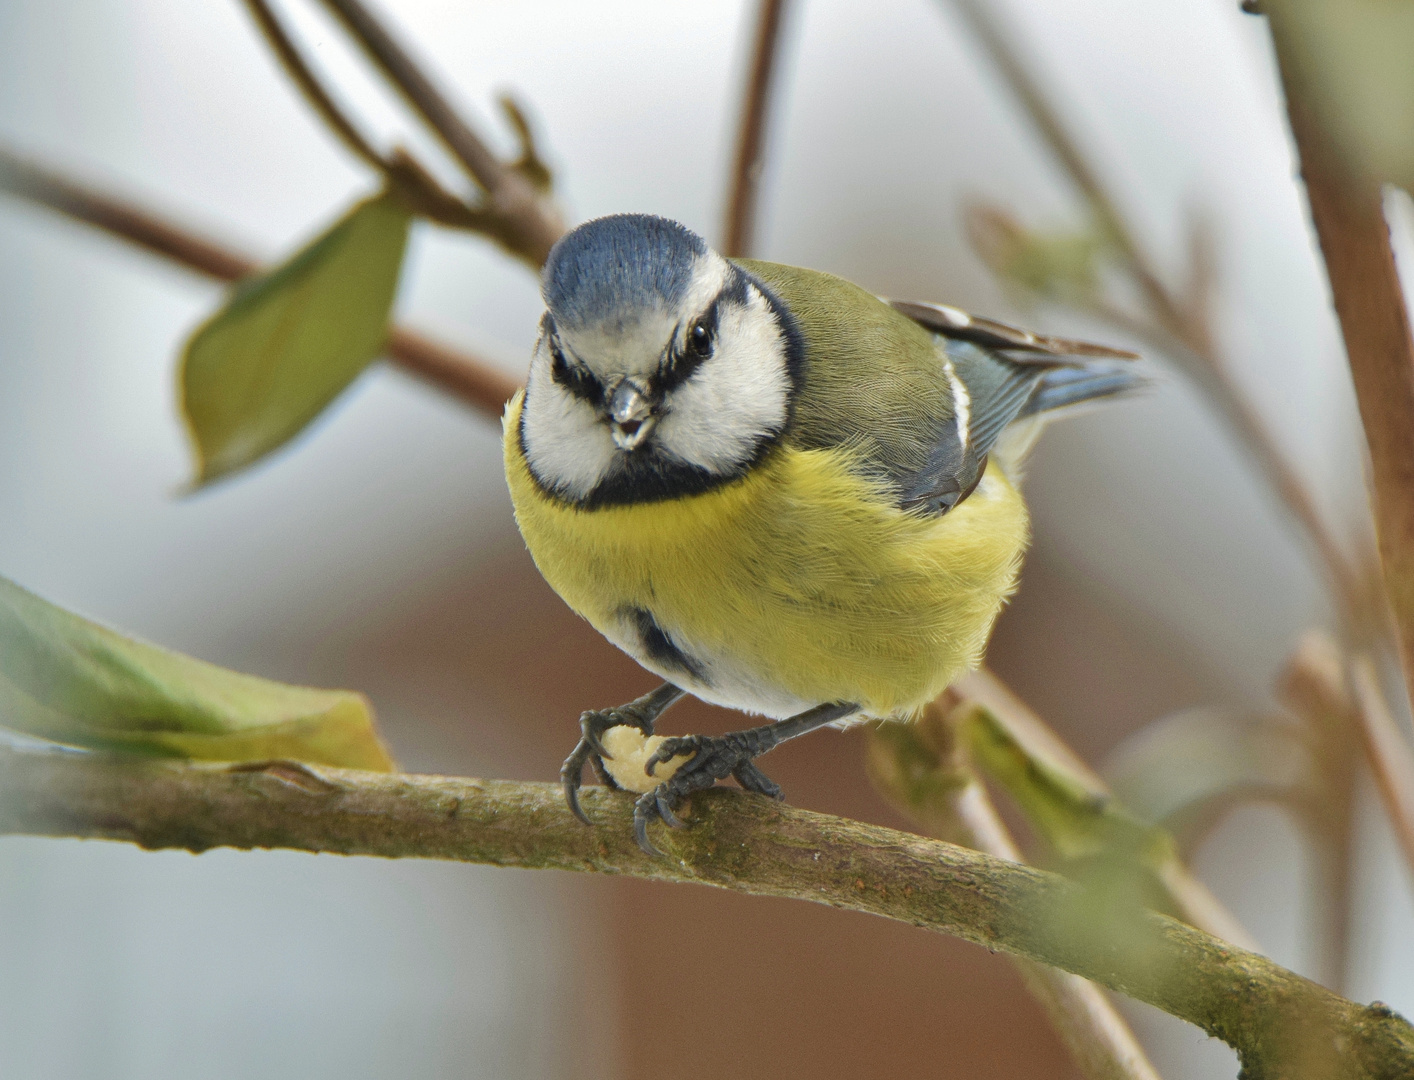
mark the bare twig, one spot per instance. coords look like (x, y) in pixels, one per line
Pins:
(413, 182)
(475, 382)
(921, 771)
(1388, 754)
(530, 223)
(1183, 327)
(1281, 1024)
(1313, 686)
(22, 177)
(749, 162)
(309, 85)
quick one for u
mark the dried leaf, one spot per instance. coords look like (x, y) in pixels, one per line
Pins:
(72, 681)
(289, 341)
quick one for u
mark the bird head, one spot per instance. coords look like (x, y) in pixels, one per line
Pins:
(661, 368)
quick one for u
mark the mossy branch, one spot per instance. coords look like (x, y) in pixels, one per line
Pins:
(1281, 1024)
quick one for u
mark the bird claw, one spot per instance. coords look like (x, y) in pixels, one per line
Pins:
(713, 758)
(590, 750)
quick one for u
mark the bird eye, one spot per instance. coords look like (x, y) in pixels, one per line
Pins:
(699, 339)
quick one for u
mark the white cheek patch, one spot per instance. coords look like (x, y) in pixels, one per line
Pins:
(717, 418)
(567, 446)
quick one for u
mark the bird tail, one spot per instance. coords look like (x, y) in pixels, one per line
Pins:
(1082, 383)
(1063, 390)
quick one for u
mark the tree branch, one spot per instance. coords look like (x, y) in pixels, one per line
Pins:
(1281, 1025)
(413, 182)
(1389, 756)
(475, 382)
(530, 223)
(750, 159)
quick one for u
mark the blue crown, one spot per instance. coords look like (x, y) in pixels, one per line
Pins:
(611, 267)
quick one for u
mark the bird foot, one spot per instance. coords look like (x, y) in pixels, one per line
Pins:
(712, 758)
(642, 713)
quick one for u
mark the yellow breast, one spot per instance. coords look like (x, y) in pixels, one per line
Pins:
(800, 582)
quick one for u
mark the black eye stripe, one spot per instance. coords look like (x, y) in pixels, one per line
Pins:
(575, 378)
(686, 358)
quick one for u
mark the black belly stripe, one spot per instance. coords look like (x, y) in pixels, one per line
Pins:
(660, 647)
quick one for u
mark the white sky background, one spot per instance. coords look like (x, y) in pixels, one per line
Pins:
(887, 123)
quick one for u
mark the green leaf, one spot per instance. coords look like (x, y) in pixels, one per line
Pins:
(66, 679)
(1355, 61)
(289, 341)
(1076, 823)
(1121, 862)
(1186, 771)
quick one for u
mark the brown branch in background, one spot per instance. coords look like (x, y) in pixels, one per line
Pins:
(530, 222)
(475, 382)
(21, 177)
(413, 182)
(1313, 685)
(1281, 1024)
(1182, 327)
(747, 166)
(921, 772)
(1388, 753)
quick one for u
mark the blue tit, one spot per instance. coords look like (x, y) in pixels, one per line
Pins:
(773, 489)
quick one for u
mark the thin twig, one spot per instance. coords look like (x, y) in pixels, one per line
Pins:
(1180, 319)
(475, 382)
(947, 801)
(1281, 1024)
(531, 222)
(1388, 753)
(413, 182)
(1313, 685)
(22, 177)
(309, 85)
(750, 160)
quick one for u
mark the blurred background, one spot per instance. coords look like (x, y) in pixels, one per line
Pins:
(378, 553)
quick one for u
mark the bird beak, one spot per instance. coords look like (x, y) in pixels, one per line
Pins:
(630, 413)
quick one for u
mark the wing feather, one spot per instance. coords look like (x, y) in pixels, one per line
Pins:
(1043, 350)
